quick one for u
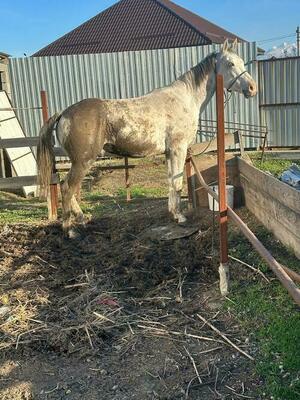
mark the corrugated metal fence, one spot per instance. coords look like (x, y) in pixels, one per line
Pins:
(280, 100)
(68, 79)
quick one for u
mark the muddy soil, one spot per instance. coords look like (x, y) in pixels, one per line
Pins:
(112, 314)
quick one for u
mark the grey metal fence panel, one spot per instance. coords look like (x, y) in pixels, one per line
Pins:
(68, 79)
(280, 100)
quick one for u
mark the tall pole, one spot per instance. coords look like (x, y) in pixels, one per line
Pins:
(53, 195)
(223, 268)
(127, 181)
(298, 41)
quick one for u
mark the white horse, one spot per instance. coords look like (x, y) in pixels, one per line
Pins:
(163, 121)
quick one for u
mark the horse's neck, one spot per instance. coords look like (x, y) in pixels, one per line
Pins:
(206, 90)
(200, 82)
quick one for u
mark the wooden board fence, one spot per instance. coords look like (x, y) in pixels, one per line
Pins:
(283, 274)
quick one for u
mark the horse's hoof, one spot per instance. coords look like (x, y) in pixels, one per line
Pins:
(73, 234)
(82, 219)
(181, 219)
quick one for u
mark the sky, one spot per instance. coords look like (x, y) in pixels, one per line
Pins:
(28, 25)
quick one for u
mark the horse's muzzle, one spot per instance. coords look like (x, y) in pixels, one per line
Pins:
(251, 90)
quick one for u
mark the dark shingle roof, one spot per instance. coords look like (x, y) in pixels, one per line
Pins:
(138, 25)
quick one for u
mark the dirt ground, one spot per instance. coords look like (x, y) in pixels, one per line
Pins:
(113, 314)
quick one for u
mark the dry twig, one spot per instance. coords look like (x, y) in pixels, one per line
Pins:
(166, 332)
(225, 337)
(89, 336)
(194, 364)
(252, 268)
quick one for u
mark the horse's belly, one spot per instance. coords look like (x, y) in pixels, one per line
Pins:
(139, 141)
(139, 147)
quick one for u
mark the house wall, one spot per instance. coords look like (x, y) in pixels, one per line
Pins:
(5, 83)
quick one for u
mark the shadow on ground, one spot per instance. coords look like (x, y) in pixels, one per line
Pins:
(113, 316)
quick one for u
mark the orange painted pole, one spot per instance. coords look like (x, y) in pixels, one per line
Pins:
(53, 195)
(223, 269)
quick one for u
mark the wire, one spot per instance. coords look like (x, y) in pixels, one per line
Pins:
(276, 38)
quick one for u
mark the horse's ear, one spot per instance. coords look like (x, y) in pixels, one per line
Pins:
(225, 45)
(234, 45)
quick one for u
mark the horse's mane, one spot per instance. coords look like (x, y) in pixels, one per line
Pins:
(195, 75)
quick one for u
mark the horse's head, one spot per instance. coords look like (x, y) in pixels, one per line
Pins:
(232, 67)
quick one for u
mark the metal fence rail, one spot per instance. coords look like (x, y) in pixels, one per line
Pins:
(68, 79)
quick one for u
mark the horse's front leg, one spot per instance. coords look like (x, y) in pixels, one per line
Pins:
(175, 162)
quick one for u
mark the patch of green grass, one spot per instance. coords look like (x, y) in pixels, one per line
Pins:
(138, 191)
(14, 209)
(268, 313)
(92, 196)
(275, 167)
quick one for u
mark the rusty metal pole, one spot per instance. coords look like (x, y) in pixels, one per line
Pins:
(127, 182)
(53, 195)
(223, 268)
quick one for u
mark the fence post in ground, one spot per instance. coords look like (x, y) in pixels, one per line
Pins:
(53, 195)
(223, 268)
(2, 164)
(127, 182)
(264, 146)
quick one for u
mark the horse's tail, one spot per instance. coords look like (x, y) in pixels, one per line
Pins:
(45, 155)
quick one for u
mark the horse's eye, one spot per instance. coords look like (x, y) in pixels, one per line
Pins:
(231, 64)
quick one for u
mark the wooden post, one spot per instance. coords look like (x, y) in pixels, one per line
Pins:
(264, 146)
(241, 142)
(53, 195)
(127, 182)
(2, 164)
(223, 269)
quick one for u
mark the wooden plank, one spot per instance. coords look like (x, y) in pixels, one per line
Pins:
(59, 152)
(277, 268)
(283, 155)
(67, 166)
(231, 139)
(18, 182)
(28, 142)
(273, 208)
(283, 222)
(287, 195)
(21, 159)
(19, 142)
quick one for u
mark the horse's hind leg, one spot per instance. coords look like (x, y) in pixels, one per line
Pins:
(68, 188)
(76, 210)
(175, 161)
